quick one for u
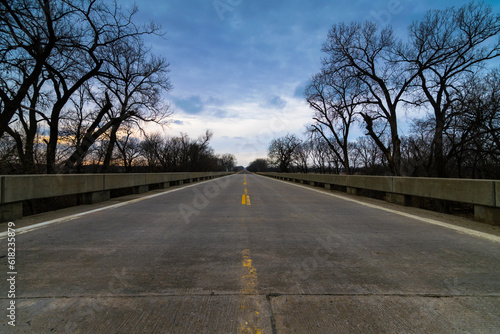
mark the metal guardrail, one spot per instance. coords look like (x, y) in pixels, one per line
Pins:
(483, 194)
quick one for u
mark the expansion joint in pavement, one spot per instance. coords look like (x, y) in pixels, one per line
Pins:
(269, 296)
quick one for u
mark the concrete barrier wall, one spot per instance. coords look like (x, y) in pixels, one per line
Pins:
(483, 194)
(158, 178)
(117, 181)
(23, 187)
(497, 192)
(378, 183)
(93, 187)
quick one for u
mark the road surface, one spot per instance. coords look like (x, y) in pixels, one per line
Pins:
(249, 254)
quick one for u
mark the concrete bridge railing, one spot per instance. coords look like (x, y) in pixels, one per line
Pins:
(484, 195)
(91, 188)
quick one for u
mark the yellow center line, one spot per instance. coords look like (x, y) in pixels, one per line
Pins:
(250, 302)
(245, 199)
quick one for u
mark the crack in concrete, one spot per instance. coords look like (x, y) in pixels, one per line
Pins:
(271, 311)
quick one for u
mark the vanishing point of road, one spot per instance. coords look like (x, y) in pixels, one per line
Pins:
(250, 254)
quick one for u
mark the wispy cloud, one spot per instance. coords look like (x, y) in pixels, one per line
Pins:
(275, 102)
(190, 105)
(243, 75)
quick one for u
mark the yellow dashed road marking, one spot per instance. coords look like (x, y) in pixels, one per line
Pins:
(250, 302)
(245, 199)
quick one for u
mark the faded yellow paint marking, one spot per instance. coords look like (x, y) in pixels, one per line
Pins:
(250, 277)
(245, 199)
(245, 328)
(250, 302)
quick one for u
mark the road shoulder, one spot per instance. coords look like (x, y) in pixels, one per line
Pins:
(424, 215)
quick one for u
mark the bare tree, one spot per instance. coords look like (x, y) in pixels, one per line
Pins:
(136, 80)
(445, 46)
(180, 154)
(29, 32)
(227, 162)
(368, 53)
(129, 148)
(334, 96)
(200, 154)
(8, 158)
(322, 157)
(100, 28)
(473, 138)
(370, 156)
(258, 165)
(150, 150)
(56, 47)
(281, 151)
(417, 148)
(439, 69)
(301, 157)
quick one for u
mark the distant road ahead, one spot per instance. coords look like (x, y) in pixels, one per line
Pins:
(248, 254)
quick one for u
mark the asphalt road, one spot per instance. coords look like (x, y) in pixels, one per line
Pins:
(249, 254)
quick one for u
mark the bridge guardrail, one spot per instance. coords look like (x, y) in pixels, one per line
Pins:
(92, 188)
(484, 195)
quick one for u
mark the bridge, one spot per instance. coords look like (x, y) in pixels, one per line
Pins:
(247, 253)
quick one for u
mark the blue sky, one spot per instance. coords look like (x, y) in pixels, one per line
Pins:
(239, 67)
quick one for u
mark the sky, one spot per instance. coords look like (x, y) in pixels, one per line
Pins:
(239, 67)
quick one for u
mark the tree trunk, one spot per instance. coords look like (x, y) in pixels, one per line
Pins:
(109, 150)
(439, 159)
(90, 137)
(53, 138)
(394, 158)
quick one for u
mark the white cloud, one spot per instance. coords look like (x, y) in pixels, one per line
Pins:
(243, 76)
(246, 129)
